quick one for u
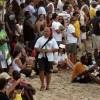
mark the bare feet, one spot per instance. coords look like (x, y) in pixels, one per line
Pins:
(47, 88)
(42, 88)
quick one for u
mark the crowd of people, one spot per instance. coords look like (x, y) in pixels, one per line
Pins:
(38, 35)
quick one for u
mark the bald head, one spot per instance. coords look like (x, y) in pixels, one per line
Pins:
(47, 31)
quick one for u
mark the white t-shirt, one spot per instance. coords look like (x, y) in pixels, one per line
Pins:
(30, 8)
(41, 10)
(55, 26)
(62, 57)
(52, 44)
(70, 37)
(60, 5)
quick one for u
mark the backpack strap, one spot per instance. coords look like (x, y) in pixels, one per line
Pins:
(46, 42)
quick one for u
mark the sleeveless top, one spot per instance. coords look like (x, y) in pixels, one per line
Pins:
(15, 66)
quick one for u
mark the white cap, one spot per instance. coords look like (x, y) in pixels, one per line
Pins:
(62, 46)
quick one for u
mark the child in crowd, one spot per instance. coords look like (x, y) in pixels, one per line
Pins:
(63, 61)
(30, 60)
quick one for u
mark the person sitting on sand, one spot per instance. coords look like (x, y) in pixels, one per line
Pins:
(23, 86)
(6, 91)
(83, 74)
(63, 60)
(19, 62)
(29, 59)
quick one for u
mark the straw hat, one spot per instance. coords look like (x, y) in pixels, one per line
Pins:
(5, 75)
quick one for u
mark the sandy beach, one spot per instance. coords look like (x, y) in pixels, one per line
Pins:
(45, 31)
(62, 89)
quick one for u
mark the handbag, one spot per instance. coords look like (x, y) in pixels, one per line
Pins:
(44, 59)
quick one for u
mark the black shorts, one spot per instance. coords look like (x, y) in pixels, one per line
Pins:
(45, 66)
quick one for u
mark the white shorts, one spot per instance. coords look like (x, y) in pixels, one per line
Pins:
(83, 36)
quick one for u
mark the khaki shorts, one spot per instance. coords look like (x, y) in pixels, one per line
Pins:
(72, 48)
(96, 42)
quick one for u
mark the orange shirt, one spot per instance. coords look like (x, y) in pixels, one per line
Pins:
(77, 69)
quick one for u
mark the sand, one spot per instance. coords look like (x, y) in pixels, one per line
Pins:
(62, 89)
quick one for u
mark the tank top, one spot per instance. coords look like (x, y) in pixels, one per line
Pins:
(15, 66)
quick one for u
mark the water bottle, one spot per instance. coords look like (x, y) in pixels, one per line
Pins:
(46, 47)
(37, 65)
